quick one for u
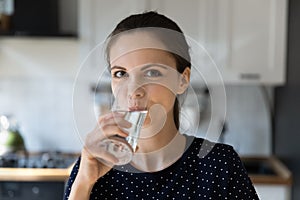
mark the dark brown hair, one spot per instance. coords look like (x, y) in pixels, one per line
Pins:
(177, 44)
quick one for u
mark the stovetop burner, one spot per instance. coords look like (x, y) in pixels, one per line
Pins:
(38, 160)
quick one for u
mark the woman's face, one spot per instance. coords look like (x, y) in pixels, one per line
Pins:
(143, 78)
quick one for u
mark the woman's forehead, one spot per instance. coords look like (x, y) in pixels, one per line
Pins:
(145, 57)
(125, 43)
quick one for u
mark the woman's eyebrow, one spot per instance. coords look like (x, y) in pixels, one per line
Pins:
(117, 67)
(144, 67)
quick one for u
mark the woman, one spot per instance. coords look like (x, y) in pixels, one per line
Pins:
(151, 68)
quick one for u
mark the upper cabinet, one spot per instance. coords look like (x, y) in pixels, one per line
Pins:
(245, 39)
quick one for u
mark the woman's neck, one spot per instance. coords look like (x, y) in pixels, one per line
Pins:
(160, 150)
(157, 134)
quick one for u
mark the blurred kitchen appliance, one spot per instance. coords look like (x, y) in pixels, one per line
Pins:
(11, 141)
(38, 160)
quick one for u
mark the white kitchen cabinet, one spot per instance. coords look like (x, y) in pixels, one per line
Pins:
(257, 41)
(270, 192)
(246, 39)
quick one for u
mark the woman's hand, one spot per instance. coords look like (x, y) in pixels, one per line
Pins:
(95, 160)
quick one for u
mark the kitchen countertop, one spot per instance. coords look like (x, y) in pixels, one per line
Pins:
(267, 170)
(34, 174)
(280, 174)
(41, 174)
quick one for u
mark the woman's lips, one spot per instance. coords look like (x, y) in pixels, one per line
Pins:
(136, 108)
(136, 105)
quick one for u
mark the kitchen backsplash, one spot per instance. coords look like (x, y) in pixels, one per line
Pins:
(43, 108)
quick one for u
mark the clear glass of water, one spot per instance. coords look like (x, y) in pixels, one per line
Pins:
(121, 148)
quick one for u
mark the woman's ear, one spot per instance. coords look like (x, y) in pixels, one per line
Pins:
(184, 80)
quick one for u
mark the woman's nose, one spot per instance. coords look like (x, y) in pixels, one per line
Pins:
(136, 92)
(135, 88)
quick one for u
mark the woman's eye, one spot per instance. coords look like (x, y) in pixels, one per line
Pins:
(153, 73)
(120, 74)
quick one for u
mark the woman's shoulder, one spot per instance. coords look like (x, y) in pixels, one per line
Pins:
(204, 148)
(214, 154)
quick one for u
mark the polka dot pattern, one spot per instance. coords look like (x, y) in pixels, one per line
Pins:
(219, 174)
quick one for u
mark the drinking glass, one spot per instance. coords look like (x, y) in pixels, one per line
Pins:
(121, 148)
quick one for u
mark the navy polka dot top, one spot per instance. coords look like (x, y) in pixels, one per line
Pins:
(205, 171)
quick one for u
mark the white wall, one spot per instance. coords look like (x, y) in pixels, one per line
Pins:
(43, 108)
(36, 85)
(248, 118)
(248, 126)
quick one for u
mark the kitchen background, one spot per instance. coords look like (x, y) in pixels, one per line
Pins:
(37, 73)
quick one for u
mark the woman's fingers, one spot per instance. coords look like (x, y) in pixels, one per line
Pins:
(113, 124)
(103, 156)
(114, 119)
(98, 149)
(109, 125)
(108, 130)
(96, 159)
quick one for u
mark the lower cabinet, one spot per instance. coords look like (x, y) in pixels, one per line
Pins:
(271, 192)
(11, 190)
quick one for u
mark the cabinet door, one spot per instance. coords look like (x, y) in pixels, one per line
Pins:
(256, 41)
(189, 15)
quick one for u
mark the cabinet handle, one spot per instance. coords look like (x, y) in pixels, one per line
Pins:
(250, 76)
